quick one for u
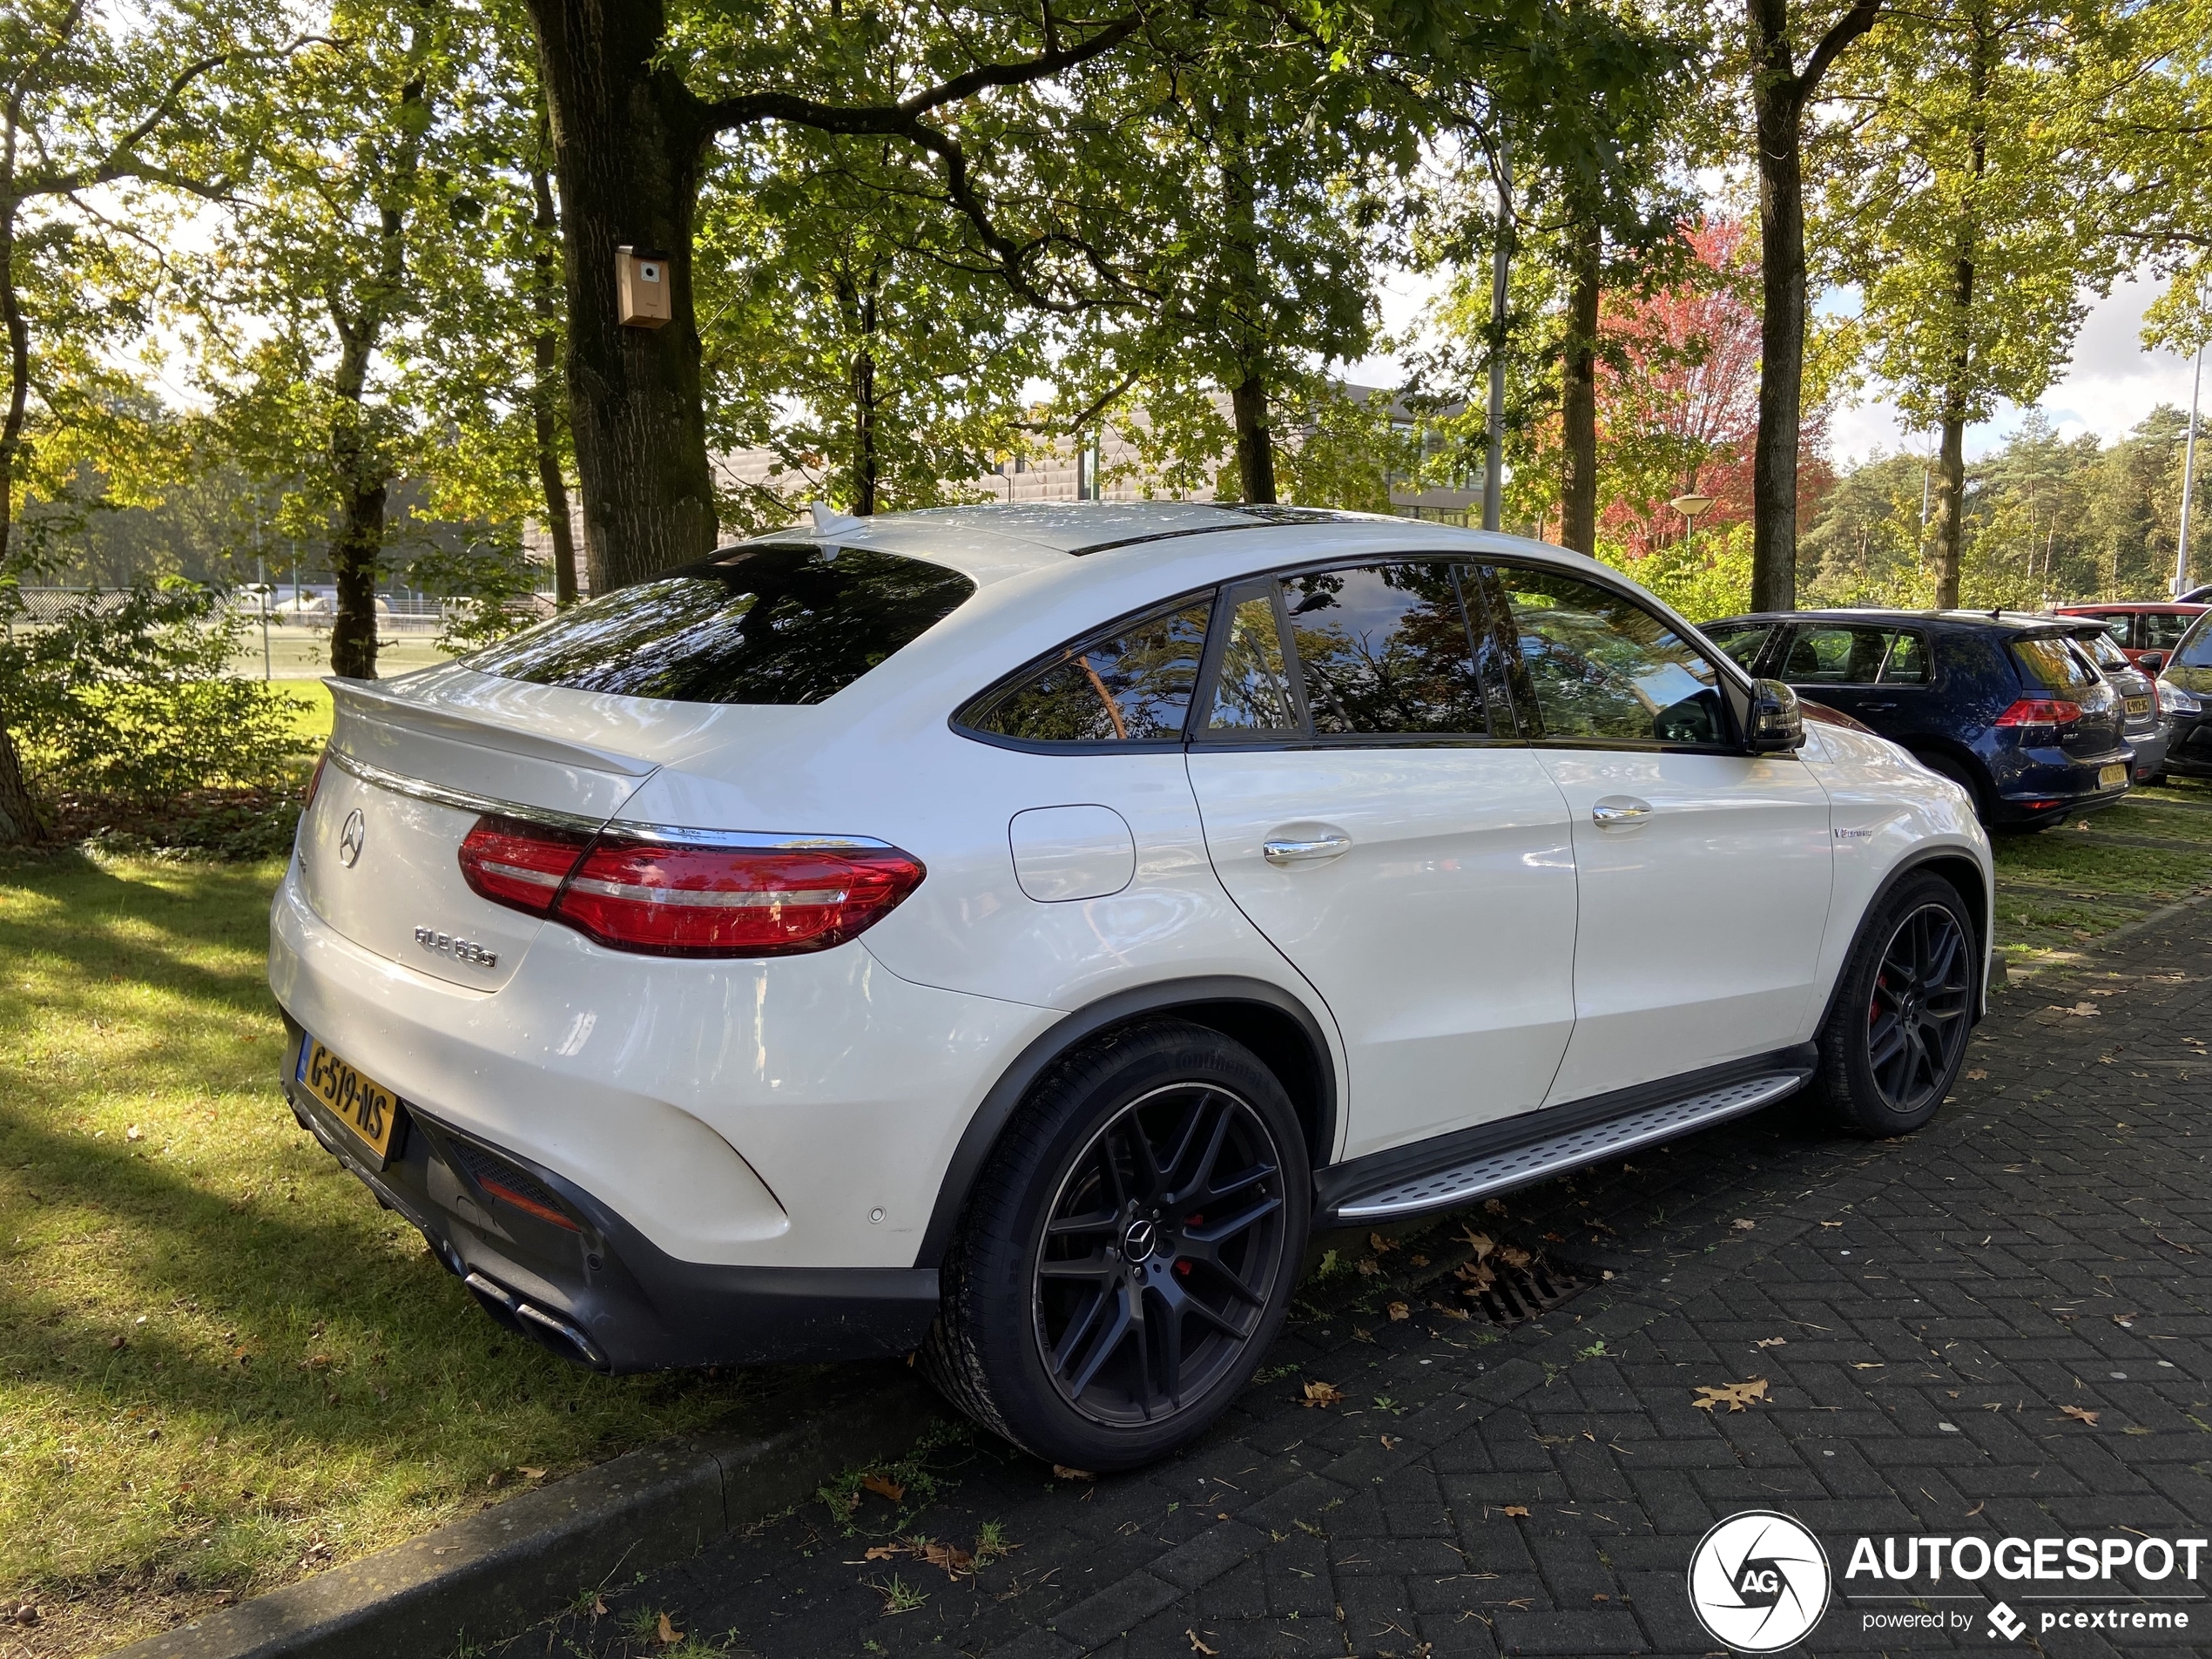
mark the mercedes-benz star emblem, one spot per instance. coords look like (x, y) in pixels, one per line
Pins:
(351, 837)
(1759, 1581)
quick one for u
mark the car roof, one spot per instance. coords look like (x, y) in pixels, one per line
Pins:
(997, 542)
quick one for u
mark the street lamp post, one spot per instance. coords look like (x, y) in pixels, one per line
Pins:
(2189, 482)
(1691, 507)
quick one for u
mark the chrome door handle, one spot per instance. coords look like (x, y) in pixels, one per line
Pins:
(1620, 809)
(1306, 851)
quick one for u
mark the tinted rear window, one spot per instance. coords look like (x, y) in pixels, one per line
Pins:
(769, 624)
(2051, 663)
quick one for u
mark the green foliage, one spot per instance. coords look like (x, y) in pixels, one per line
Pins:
(2048, 519)
(127, 697)
(1706, 577)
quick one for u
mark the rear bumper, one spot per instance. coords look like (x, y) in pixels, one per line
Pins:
(2041, 784)
(597, 1291)
(2150, 752)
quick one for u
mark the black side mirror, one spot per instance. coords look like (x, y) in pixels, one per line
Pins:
(1777, 725)
(2150, 662)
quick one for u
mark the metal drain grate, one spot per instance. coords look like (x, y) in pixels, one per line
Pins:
(1516, 1293)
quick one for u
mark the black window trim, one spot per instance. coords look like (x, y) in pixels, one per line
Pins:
(971, 707)
(1724, 667)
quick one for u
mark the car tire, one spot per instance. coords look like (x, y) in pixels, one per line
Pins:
(1896, 1030)
(1096, 1309)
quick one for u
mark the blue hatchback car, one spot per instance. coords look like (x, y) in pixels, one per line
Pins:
(2008, 706)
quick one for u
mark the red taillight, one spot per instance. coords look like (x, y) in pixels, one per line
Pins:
(686, 898)
(519, 864)
(691, 900)
(2040, 710)
(314, 781)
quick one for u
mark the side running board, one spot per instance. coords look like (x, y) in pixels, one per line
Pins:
(1456, 1169)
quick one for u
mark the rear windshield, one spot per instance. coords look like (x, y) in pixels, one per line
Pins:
(768, 624)
(2047, 662)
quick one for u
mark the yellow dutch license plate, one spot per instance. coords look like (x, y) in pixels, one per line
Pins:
(368, 1110)
(2110, 777)
(2139, 705)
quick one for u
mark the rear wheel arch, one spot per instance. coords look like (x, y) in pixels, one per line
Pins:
(1279, 1030)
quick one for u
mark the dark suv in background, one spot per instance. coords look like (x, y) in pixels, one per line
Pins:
(2007, 705)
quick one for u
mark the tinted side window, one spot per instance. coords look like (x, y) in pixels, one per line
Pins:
(2050, 662)
(1602, 666)
(1253, 690)
(2160, 631)
(769, 624)
(1743, 641)
(1854, 654)
(1386, 649)
(1132, 685)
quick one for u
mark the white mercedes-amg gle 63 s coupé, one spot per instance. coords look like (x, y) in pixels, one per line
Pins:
(1007, 932)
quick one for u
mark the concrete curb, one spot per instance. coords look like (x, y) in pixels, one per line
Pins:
(500, 1571)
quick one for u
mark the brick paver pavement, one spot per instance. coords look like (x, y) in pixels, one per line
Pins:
(1929, 1317)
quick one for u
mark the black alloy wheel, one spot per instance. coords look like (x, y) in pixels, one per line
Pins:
(1917, 1014)
(1160, 1254)
(1896, 1031)
(1129, 1249)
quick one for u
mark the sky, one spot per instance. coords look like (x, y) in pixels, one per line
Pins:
(2111, 384)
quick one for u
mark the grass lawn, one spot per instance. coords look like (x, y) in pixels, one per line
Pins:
(222, 1366)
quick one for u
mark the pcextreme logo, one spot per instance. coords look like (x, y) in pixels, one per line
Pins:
(1759, 1581)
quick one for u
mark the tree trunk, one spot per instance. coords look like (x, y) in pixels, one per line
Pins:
(864, 455)
(544, 412)
(626, 139)
(19, 818)
(1578, 393)
(1255, 439)
(1951, 503)
(1778, 111)
(359, 541)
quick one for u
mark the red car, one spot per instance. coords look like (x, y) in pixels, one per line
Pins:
(2141, 628)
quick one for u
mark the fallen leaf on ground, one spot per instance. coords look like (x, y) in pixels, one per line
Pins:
(528, 1473)
(1480, 1243)
(883, 1487)
(669, 1635)
(1369, 1267)
(1976, 1075)
(1449, 1313)
(1771, 1342)
(134, 1133)
(2123, 1320)
(2079, 1415)
(1477, 1274)
(1067, 1473)
(1734, 1396)
(1514, 1255)
(1743, 1226)
(1419, 1261)
(1389, 1443)
(1867, 1365)
(954, 1560)
(1380, 1246)
(1556, 1238)
(1494, 1207)
(2078, 1009)
(1399, 1311)
(882, 1553)
(599, 1607)
(1198, 1646)
(1521, 1509)
(1321, 1393)
(1832, 1224)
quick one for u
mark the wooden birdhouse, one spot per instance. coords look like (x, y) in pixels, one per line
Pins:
(644, 289)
